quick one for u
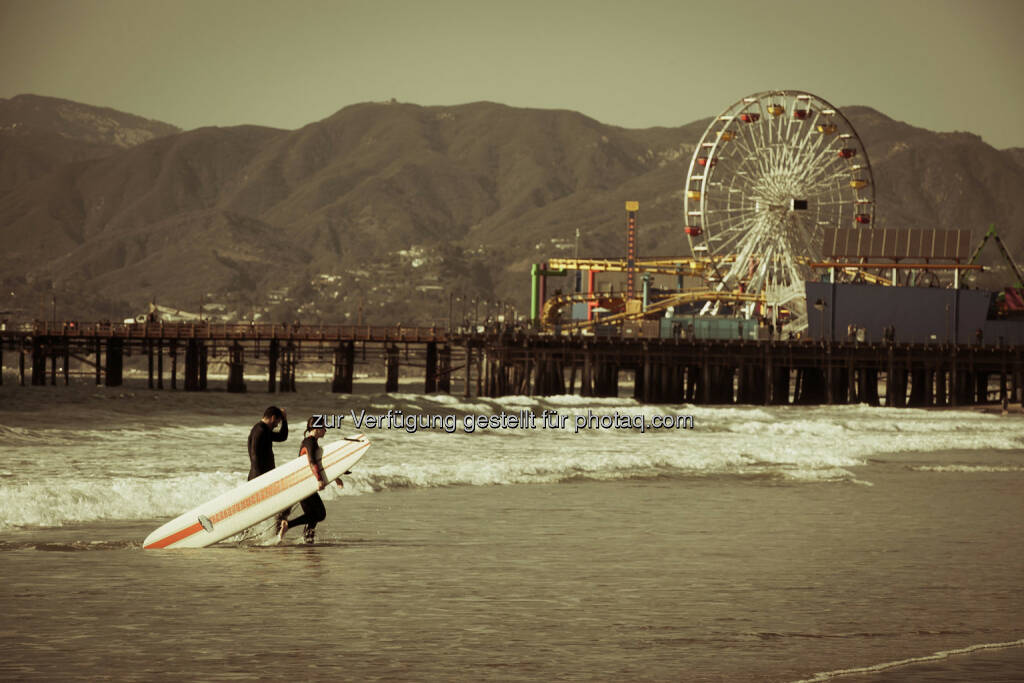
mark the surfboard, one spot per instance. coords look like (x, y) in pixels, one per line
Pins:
(257, 499)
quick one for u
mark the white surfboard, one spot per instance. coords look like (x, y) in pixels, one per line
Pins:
(257, 499)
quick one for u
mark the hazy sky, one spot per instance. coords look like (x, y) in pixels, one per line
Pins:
(937, 64)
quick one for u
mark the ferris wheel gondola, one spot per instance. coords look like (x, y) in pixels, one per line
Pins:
(770, 174)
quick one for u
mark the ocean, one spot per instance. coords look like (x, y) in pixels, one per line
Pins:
(475, 541)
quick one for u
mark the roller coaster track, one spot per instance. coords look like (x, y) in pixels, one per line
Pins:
(676, 266)
(552, 305)
(684, 266)
(673, 266)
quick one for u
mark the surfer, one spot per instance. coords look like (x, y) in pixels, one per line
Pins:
(261, 447)
(261, 440)
(313, 510)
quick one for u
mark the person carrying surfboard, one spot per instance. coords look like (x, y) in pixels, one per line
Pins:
(261, 446)
(261, 440)
(313, 510)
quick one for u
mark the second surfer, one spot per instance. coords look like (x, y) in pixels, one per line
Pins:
(313, 510)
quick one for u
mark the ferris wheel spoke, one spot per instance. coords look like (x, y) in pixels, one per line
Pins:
(745, 236)
(825, 162)
(730, 240)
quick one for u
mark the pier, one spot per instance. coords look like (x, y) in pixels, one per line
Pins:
(709, 372)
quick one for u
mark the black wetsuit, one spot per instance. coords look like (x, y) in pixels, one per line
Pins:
(313, 510)
(261, 447)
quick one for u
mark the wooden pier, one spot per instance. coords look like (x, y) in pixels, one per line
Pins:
(517, 362)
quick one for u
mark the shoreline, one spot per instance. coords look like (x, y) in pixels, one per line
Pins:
(652, 580)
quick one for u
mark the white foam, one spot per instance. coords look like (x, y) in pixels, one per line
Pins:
(875, 668)
(55, 502)
(966, 468)
(151, 468)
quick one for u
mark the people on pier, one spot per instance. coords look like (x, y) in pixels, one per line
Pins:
(313, 510)
(261, 446)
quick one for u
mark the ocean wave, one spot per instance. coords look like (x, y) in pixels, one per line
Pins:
(21, 436)
(151, 467)
(504, 474)
(55, 502)
(966, 468)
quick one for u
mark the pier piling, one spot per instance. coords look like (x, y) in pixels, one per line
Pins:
(115, 362)
(391, 368)
(430, 370)
(444, 383)
(663, 370)
(236, 369)
(344, 368)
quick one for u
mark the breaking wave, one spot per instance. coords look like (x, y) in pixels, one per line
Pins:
(153, 469)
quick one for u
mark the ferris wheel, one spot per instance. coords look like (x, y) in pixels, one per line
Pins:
(770, 174)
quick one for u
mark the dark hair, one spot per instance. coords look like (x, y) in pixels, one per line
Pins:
(273, 412)
(309, 423)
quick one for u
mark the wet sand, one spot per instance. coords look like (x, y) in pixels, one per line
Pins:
(701, 579)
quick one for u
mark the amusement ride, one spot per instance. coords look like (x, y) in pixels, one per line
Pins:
(768, 177)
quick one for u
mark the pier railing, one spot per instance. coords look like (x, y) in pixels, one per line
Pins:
(240, 331)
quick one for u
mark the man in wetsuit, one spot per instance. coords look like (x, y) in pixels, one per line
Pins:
(261, 448)
(262, 438)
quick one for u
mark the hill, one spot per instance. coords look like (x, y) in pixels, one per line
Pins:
(396, 212)
(38, 134)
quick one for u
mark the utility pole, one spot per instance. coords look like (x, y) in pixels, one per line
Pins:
(576, 256)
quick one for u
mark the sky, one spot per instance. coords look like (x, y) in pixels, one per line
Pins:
(942, 65)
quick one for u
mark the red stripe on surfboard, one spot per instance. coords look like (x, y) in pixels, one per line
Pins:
(176, 536)
(277, 487)
(253, 499)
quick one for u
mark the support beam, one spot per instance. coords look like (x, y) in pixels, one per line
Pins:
(444, 383)
(236, 369)
(174, 364)
(38, 363)
(344, 368)
(272, 356)
(392, 367)
(115, 361)
(430, 371)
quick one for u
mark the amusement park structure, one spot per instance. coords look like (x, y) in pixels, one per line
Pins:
(779, 193)
(792, 293)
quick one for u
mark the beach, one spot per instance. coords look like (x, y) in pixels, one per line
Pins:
(512, 557)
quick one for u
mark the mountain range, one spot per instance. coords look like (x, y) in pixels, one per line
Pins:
(388, 212)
